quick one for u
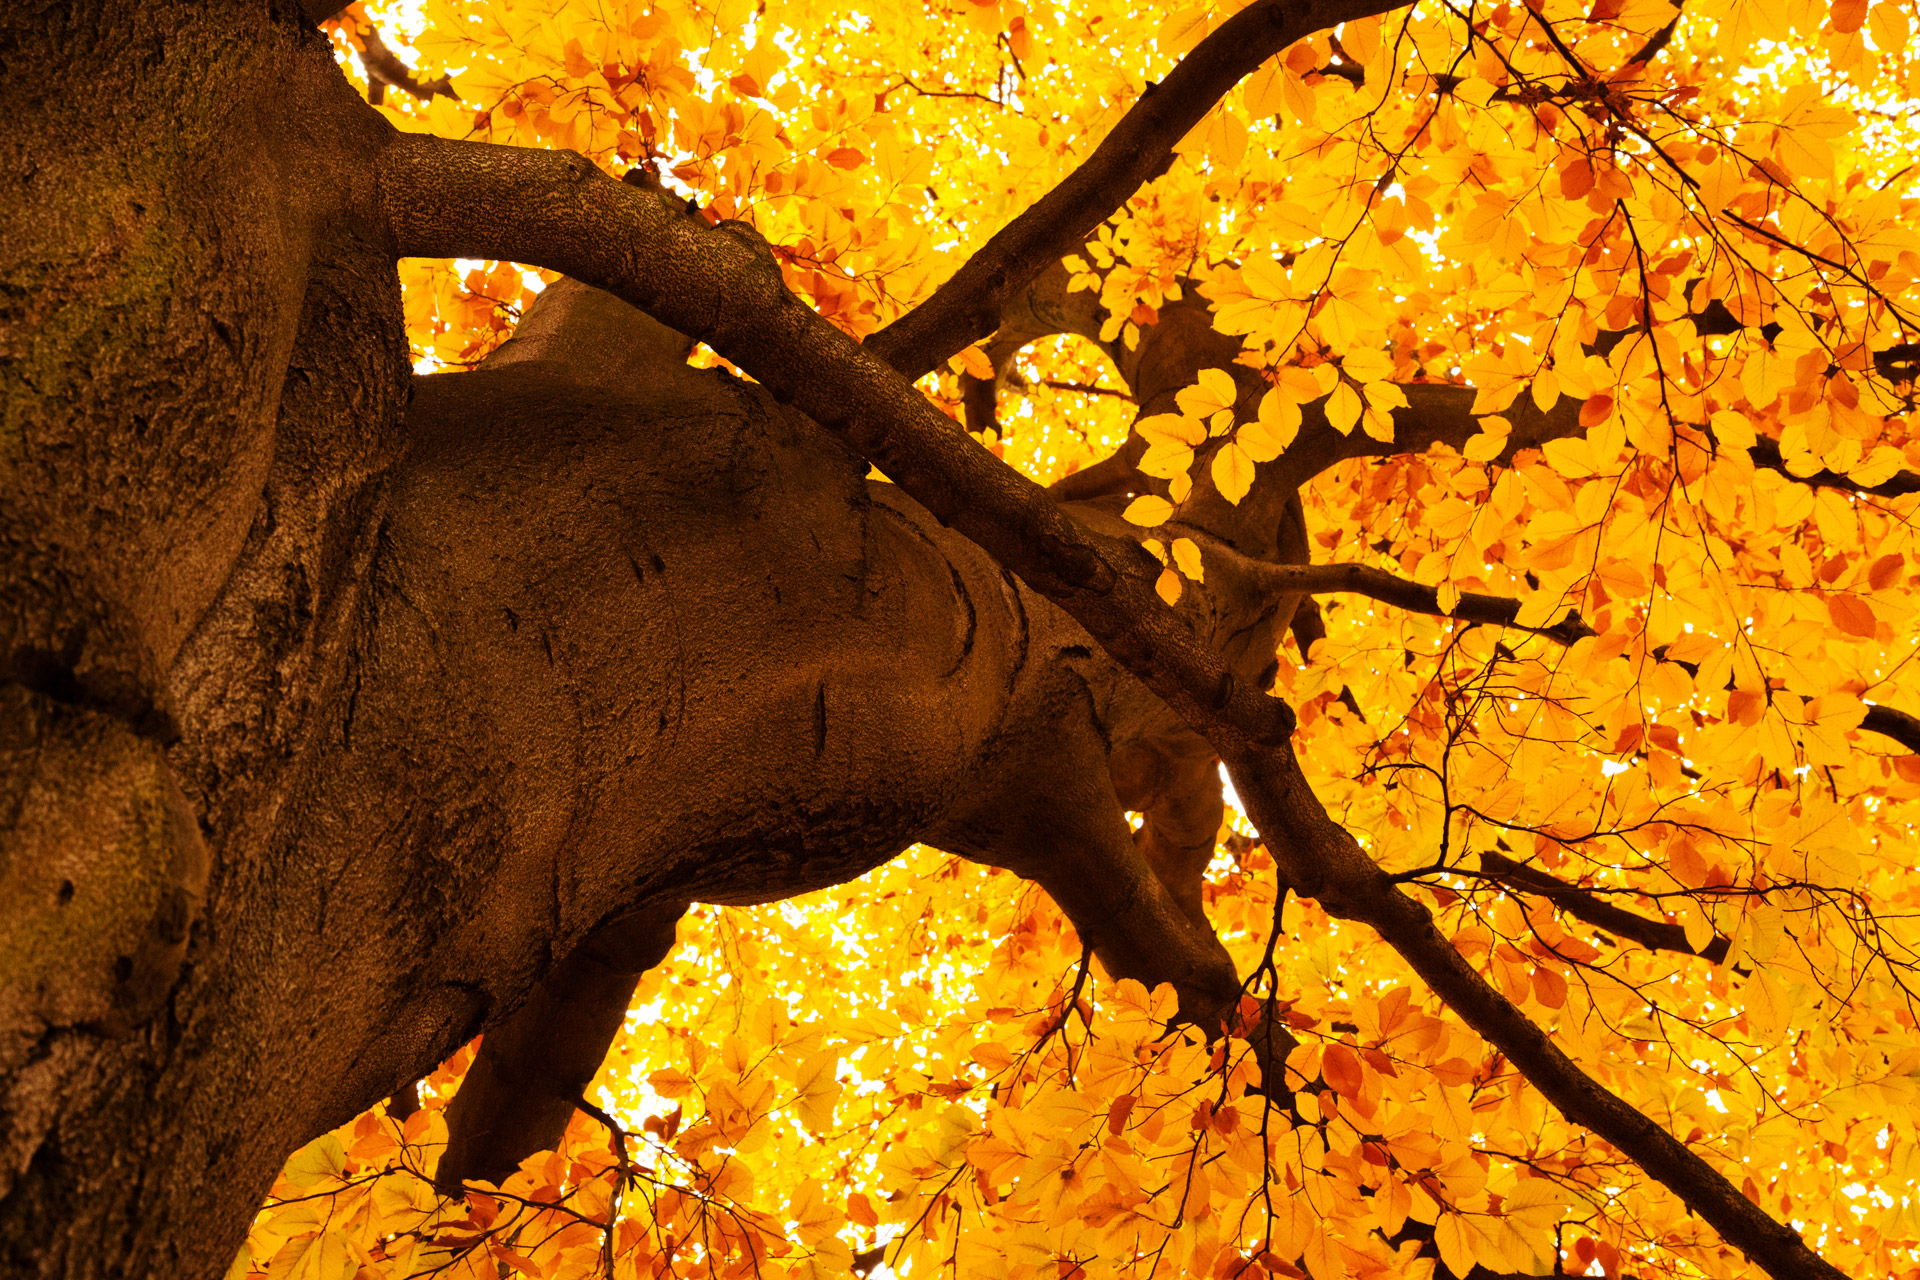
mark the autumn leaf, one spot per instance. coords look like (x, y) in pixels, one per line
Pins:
(1852, 615)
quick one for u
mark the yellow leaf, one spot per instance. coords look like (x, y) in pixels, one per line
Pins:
(1267, 437)
(670, 1083)
(1214, 393)
(1890, 26)
(815, 1215)
(325, 1255)
(323, 1158)
(1171, 428)
(1769, 1009)
(1369, 364)
(1571, 458)
(819, 1091)
(1455, 1240)
(1343, 409)
(1168, 586)
(1545, 390)
(976, 362)
(1186, 554)
(1148, 510)
(1232, 472)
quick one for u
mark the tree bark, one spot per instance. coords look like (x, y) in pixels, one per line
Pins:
(324, 737)
(327, 734)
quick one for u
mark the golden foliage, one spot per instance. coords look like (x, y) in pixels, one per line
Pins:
(1442, 195)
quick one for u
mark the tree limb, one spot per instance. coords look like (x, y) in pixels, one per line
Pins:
(1898, 725)
(721, 285)
(1500, 611)
(1654, 935)
(1766, 454)
(384, 67)
(967, 307)
(1378, 584)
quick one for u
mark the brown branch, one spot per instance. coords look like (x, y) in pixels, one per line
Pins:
(1499, 611)
(384, 67)
(1085, 389)
(1655, 42)
(1654, 935)
(968, 306)
(722, 286)
(1378, 584)
(980, 401)
(1766, 454)
(1898, 725)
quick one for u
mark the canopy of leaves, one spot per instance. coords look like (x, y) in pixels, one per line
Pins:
(1696, 227)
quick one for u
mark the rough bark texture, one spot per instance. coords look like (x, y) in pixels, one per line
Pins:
(334, 731)
(323, 738)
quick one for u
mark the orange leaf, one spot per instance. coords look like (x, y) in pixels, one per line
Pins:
(846, 158)
(1852, 615)
(1596, 409)
(1849, 15)
(1340, 1067)
(1885, 571)
(1576, 179)
(1549, 988)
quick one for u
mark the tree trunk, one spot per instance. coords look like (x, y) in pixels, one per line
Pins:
(323, 737)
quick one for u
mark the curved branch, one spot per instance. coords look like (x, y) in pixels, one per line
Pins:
(1898, 725)
(722, 285)
(384, 67)
(1654, 935)
(1378, 584)
(1472, 606)
(968, 306)
(1766, 454)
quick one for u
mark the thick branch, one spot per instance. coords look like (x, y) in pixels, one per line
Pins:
(967, 307)
(721, 285)
(1378, 584)
(1898, 725)
(1766, 453)
(1654, 935)
(384, 67)
(1500, 611)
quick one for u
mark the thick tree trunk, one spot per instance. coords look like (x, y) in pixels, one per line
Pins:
(323, 739)
(202, 379)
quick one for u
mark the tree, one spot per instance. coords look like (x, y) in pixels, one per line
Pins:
(1515, 507)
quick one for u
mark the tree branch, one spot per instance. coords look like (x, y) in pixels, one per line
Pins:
(967, 307)
(1654, 935)
(383, 66)
(1766, 454)
(722, 286)
(1500, 611)
(1898, 725)
(1378, 584)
